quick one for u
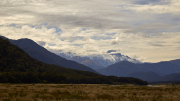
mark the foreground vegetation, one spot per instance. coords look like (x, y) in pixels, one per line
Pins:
(16, 66)
(88, 92)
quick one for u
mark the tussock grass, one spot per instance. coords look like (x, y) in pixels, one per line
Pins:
(87, 92)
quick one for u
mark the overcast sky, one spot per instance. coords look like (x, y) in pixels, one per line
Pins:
(147, 30)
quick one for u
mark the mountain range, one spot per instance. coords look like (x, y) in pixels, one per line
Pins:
(42, 54)
(144, 71)
(154, 77)
(16, 66)
(126, 67)
(100, 60)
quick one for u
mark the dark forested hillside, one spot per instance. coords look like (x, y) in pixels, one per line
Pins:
(16, 66)
(43, 55)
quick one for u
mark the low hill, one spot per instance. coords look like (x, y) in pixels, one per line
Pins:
(147, 76)
(171, 77)
(16, 66)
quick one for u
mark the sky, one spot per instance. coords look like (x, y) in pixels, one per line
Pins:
(146, 30)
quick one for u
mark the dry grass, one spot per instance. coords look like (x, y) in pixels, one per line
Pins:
(87, 92)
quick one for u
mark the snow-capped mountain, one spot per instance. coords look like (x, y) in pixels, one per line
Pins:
(109, 59)
(98, 61)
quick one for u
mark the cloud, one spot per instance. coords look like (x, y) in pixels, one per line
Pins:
(146, 47)
(39, 34)
(171, 7)
(144, 29)
(111, 51)
(79, 13)
(57, 13)
(116, 41)
(154, 2)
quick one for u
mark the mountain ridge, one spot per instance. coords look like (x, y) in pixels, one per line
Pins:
(42, 54)
(98, 61)
(124, 68)
(16, 66)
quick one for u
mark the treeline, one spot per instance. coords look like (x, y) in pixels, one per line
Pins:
(16, 66)
(49, 77)
(129, 80)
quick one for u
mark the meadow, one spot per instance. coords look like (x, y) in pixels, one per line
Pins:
(88, 92)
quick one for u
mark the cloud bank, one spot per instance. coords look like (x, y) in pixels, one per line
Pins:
(146, 30)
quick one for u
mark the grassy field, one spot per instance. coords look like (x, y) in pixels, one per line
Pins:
(88, 92)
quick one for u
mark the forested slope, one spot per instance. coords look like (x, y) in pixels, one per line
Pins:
(16, 66)
(41, 54)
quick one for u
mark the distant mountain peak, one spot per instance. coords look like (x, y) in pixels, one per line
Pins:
(3, 37)
(99, 60)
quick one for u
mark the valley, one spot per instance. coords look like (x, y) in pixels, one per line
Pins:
(90, 50)
(88, 92)
(110, 64)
